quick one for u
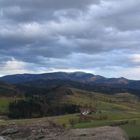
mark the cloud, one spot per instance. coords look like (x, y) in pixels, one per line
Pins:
(29, 10)
(100, 36)
(12, 66)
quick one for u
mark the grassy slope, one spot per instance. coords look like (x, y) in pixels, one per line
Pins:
(7, 92)
(4, 103)
(117, 108)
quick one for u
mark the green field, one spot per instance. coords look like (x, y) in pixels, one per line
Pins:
(132, 128)
(115, 108)
(4, 102)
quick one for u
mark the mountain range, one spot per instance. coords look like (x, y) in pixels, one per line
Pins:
(80, 80)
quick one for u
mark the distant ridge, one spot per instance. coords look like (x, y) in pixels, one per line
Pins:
(79, 80)
(76, 76)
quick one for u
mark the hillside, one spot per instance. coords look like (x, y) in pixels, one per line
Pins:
(118, 102)
(121, 109)
(75, 76)
(8, 89)
(64, 95)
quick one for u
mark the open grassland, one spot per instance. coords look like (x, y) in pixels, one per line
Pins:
(112, 109)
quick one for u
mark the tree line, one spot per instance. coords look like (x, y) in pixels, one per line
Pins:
(39, 106)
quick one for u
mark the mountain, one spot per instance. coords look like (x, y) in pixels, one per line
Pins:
(87, 81)
(20, 78)
(75, 76)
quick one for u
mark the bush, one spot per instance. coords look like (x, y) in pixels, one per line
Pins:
(72, 122)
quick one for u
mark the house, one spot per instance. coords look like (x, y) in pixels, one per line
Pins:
(87, 110)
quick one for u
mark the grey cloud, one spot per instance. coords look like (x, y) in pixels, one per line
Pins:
(49, 3)
(124, 15)
(60, 34)
(29, 10)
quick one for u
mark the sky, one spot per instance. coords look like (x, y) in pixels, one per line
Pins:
(97, 36)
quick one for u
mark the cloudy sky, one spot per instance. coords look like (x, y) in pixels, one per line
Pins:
(97, 36)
